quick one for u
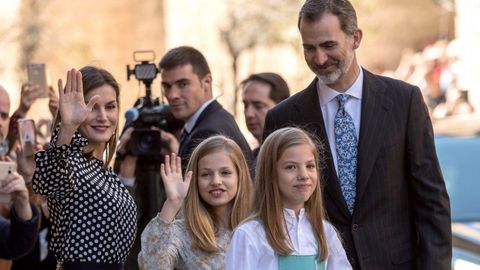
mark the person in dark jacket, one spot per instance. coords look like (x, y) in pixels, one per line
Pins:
(18, 235)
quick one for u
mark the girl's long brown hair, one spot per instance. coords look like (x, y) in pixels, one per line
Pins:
(199, 218)
(268, 204)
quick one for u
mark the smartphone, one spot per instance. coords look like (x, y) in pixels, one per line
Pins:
(6, 168)
(28, 135)
(37, 74)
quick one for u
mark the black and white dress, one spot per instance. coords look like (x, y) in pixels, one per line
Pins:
(92, 215)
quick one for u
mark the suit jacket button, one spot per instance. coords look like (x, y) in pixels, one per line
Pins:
(354, 227)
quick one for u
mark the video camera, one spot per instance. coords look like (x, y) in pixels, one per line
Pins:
(149, 117)
(147, 112)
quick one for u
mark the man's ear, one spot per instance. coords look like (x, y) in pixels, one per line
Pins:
(357, 38)
(207, 81)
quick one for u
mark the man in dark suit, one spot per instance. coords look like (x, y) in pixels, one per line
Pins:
(383, 188)
(187, 85)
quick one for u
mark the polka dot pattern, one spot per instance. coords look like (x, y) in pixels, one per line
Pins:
(92, 215)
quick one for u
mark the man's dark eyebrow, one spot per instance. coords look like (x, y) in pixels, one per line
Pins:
(181, 80)
(258, 102)
(176, 82)
(329, 43)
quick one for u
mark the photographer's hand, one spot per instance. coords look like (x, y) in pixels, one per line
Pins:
(123, 141)
(15, 185)
(73, 109)
(129, 162)
(172, 142)
(176, 187)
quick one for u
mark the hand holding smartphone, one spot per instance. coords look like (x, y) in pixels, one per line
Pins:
(37, 74)
(28, 136)
(6, 168)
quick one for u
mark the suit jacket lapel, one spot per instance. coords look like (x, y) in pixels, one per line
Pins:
(375, 107)
(309, 112)
(211, 107)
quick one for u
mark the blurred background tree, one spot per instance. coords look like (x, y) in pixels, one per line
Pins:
(256, 23)
(30, 29)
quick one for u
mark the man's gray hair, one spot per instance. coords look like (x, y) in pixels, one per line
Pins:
(313, 10)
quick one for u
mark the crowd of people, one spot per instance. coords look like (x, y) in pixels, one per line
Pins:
(435, 69)
(345, 175)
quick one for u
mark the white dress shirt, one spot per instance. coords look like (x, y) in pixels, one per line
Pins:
(329, 106)
(249, 247)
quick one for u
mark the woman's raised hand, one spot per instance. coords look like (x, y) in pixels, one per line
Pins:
(176, 187)
(73, 109)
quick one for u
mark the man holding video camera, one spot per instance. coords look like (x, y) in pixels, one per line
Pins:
(187, 85)
(18, 235)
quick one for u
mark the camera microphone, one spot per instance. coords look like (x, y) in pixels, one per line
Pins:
(131, 115)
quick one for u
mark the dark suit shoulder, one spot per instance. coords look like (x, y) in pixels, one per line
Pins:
(215, 120)
(396, 93)
(390, 84)
(298, 98)
(299, 110)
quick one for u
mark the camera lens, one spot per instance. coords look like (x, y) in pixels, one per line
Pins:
(146, 141)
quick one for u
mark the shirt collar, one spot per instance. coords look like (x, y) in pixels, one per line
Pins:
(291, 218)
(193, 120)
(326, 94)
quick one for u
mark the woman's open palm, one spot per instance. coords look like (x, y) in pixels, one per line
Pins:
(73, 109)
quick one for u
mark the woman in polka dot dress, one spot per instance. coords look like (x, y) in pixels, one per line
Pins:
(93, 216)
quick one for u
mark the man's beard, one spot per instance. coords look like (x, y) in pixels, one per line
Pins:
(340, 70)
(331, 77)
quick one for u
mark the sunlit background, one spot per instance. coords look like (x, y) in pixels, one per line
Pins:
(238, 37)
